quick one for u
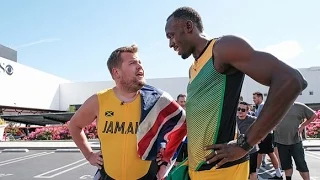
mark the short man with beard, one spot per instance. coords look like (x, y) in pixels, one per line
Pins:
(133, 119)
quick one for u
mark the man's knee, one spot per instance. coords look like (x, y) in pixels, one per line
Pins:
(299, 158)
(301, 165)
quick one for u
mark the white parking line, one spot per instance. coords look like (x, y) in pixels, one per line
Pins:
(314, 155)
(4, 175)
(43, 175)
(25, 158)
(86, 176)
(15, 150)
(22, 157)
(271, 172)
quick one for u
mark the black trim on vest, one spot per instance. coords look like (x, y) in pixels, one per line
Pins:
(151, 174)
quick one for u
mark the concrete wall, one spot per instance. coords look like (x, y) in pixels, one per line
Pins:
(312, 75)
(77, 93)
(28, 87)
(8, 53)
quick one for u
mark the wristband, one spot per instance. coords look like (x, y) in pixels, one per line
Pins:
(87, 157)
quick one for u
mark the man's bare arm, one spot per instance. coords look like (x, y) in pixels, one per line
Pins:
(83, 117)
(285, 82)
(305, 123)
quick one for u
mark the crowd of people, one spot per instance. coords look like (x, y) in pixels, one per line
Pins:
(211, 135)
(287, 137)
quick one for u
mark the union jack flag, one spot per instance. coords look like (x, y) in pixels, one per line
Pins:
(162, 120)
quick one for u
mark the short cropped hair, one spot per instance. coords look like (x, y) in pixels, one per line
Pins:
(181, 95)
(244, 103)
(188, 13)
(115, 59)
(259, 94)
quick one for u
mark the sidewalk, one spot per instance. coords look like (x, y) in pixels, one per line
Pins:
(45, 145)
(95, 145)
(311, 143)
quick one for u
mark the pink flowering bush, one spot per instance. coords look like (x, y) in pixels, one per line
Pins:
(60, 133)
(313, 129)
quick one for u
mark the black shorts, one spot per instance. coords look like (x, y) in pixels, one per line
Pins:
(266, 146)
(297, 152)
(253, 162)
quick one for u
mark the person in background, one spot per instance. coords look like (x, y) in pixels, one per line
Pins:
(244, 121)
(287, 136)
(258, 104)
(182, 152)
(181, 100)
(266, 146)
(258, 101)
(251, 110)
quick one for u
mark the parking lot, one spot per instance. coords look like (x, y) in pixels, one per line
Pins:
(44, 165)
(313, 161)
(71, 165)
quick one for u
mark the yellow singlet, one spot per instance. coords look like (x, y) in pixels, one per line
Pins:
(117, 128)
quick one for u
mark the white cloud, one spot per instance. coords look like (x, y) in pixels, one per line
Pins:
(49, 40)
(285, 50)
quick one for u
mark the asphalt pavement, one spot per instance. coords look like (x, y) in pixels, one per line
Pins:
(312, 156)
(44, 165)
(54, 165)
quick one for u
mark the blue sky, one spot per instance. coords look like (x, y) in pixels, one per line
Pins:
(73, 39)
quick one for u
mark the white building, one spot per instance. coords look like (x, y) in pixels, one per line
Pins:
(25, 87)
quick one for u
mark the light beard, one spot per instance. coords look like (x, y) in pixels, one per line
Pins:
(132, 85)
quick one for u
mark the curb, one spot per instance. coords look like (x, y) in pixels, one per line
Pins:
(15, 150)
(67, 150)
(311, 146)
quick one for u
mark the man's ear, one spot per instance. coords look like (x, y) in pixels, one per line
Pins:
(115, 73)
(189, 26)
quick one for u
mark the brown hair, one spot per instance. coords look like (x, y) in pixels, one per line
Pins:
(115, 59)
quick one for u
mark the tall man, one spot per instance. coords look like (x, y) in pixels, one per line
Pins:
(133, 119)
(216, 79)
(287, 136)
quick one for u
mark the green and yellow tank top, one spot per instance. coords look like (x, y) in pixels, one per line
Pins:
(117, 127)
(211, 105)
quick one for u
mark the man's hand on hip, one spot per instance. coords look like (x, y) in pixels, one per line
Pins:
(225, 153)
(95, 159)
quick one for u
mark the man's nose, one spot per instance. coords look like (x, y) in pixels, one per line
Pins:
(139, 66)
(171, 43)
